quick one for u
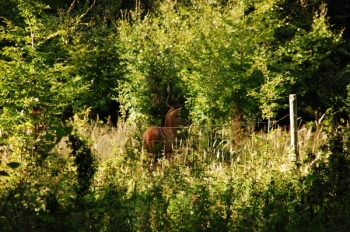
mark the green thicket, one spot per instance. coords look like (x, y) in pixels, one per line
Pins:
(63, 63)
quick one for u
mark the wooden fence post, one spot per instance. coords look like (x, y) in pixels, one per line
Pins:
(294, 127)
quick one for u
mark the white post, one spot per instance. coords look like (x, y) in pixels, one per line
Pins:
(294, 127)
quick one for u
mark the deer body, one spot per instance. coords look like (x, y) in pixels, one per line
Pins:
(162, 138)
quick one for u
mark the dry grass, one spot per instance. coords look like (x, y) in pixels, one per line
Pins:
(105, 140)
(217, 146)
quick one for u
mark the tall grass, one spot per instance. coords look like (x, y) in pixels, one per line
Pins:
(221, 145)
(219, 178)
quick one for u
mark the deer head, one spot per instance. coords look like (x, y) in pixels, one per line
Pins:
(174, 119)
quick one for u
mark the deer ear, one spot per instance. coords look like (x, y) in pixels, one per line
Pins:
(177, 111)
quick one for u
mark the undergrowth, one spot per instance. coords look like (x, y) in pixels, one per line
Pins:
(218, 179)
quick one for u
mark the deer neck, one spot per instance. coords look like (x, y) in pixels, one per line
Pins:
(172, 127)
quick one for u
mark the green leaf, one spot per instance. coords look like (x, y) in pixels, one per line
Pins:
(46, 217)
(43, 153)
(13, 165)
(3, 173)
(63, 131)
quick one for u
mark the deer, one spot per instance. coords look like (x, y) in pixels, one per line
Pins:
(157, 138)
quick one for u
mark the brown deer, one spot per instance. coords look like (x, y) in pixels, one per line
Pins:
(156, 139)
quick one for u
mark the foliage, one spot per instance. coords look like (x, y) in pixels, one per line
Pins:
(215, 181)
(328, 182)
(225, 59)
(91, 57)
(63, 63)
(177, 45)
(84, 161)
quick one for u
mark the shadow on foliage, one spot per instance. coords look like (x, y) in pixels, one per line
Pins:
(319, 201)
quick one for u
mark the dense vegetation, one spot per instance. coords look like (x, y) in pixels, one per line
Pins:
(81, 80)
